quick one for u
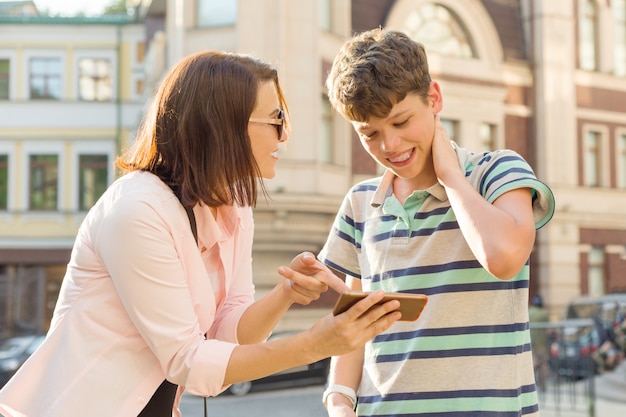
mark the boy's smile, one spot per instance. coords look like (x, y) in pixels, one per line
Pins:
(402, 141)
(403, 159)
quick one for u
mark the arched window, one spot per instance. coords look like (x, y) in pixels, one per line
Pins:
(439, 30)
(461, 42)
(587, 35)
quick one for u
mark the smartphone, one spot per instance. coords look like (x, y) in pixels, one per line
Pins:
(411, 305)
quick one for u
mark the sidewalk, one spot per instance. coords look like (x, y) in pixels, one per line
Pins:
(610, 390)
(611, 393)
(611, 386)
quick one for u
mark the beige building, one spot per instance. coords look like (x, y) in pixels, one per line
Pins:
(545, 78)
(70, 95)
(315, 168)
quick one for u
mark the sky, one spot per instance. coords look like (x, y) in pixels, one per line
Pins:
(72, 7)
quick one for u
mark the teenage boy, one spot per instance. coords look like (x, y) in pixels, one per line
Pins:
(443, 221)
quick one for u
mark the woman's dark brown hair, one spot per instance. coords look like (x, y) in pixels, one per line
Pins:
(195, 134)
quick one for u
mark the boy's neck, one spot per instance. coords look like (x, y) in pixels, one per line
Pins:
(404, 187)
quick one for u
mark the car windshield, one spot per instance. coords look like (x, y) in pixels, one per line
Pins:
(13, 346)
(583, 310)
(609, 312)
(583, 334)
(34, 345)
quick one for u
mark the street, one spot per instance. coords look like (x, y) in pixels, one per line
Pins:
(610, 390)
(303, 402)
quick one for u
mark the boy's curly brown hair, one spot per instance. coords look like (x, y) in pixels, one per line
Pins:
(373, 71)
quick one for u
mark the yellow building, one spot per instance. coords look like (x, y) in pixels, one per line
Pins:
(70, 95)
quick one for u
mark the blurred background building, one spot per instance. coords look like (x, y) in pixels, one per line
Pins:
(70, 96)
(545, 78)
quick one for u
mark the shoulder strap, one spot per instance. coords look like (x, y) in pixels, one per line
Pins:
(192, 222)
(188, 210)
(194, 230)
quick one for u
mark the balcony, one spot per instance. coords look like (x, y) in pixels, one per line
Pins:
(52, 114)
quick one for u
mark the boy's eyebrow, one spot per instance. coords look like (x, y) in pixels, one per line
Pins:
(366, 126)
(363, 128)
(400, 113)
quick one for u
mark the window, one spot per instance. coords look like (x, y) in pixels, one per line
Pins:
(587, 35)
(94, 79)
(621, 163)
(139, 87)
(595, 272)
(487, 135)
(439, 30)
(216, 12)
(4, 79)
(43, 184)
(45, 78)
(326, 133)
(592, 158)
(93, 179)
(619, 55)
(325, 10)
(452, 128)
(4, 181)
(140, 52)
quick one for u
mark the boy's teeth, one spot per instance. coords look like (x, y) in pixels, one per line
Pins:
(401, 158)
(275, 154)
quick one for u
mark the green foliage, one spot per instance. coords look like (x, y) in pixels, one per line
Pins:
(116, 7)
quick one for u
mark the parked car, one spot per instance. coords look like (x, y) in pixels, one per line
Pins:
(619, 321)
(573, 349)
(312, 374)
(606, 316)
(14, 352)
(584, 307)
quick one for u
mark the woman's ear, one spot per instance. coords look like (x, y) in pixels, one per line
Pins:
(435, 98)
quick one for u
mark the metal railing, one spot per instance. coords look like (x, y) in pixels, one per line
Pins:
(566, 361)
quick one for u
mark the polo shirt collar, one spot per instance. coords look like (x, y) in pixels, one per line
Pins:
(385, 189)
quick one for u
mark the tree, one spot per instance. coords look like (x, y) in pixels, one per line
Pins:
(116, 7)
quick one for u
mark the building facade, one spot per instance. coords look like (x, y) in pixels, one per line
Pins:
(545, 78)
(70, 97)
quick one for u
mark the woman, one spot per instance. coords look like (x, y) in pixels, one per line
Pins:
(143, 301)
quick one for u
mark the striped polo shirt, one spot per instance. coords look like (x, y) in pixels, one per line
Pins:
(469, 353)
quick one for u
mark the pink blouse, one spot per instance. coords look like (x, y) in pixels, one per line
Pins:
(136, 301)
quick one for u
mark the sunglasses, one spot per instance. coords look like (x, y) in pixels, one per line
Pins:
(278, 122)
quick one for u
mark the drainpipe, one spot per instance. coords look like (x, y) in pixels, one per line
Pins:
(118, 99)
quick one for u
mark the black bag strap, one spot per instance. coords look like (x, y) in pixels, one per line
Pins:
(192, 222)
(162, 401)
(194, 230)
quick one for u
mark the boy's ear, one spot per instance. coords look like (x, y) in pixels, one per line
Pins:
(434, 97)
